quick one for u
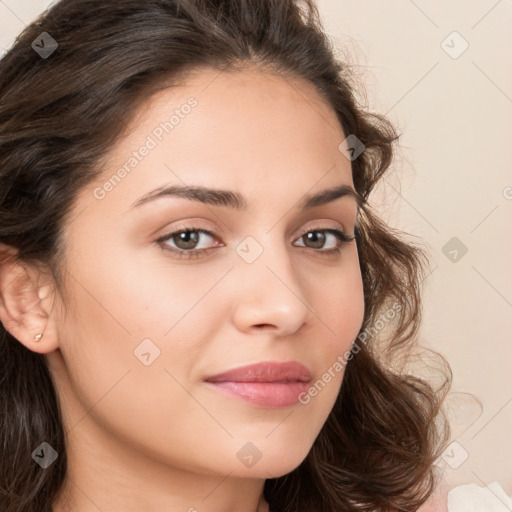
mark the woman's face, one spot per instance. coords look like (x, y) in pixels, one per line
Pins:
(145, 325)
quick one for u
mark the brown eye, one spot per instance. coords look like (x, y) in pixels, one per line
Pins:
(184, 242)
(317, 238)
(185, 239)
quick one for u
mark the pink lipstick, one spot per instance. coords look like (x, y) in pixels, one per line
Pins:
(269, 384)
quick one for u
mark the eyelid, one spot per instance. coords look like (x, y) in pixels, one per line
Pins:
(189, 225)
(321, 227)
(180, 229)
(221, 233)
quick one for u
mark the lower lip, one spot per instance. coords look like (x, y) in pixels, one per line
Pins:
(263, 394)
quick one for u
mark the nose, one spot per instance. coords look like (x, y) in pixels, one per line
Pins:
(268, 295)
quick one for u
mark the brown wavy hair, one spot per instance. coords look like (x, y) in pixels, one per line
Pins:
(60, 115)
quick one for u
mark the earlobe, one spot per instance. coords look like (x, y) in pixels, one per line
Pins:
(25, 307)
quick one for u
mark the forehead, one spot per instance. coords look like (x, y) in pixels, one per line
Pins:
(246, 130)
(249, 106)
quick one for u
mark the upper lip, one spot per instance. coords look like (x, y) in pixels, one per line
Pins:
(268, 371)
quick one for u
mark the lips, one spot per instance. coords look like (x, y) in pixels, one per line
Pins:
(271, 371)
(268, 385)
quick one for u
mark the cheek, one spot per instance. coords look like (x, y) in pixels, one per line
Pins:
(145, 405)
(338, 299)
(339, 303)
(137, 294)
(126, 312)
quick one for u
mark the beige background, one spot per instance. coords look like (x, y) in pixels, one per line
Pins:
(452, 179)
(455, 114)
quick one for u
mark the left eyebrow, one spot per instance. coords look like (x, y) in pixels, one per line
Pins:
(232, 199)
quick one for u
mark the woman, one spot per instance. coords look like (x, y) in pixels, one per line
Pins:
(199, 308)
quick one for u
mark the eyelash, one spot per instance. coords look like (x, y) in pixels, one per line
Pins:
(342, 237)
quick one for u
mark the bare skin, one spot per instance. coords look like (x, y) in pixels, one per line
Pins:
(155, 437)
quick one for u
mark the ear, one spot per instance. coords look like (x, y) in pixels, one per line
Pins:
(26, 303)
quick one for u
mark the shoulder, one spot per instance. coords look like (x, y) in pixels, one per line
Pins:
(463, 498)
